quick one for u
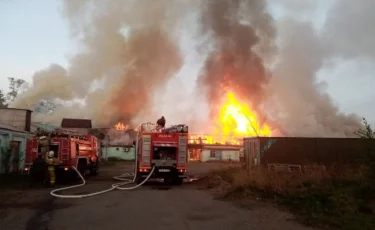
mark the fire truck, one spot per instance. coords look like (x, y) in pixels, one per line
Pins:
(71, 148)
(165, 149)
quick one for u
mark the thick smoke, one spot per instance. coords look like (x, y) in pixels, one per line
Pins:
(302, 109)
(293, 99)
(296, 98)
(125, 67)
(240, 30)
(130, 51)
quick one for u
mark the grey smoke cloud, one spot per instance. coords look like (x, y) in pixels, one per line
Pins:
(273, 64)
(298, 98)
(240, 31)
(130, 67)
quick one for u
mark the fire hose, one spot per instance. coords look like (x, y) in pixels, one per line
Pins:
(113, 187)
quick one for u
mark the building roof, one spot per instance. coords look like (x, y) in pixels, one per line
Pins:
(44, 126)
(221, 147)
(11, 128)
(15, 109)
(76, 123)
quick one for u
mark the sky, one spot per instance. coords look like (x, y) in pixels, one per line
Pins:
(34, 34)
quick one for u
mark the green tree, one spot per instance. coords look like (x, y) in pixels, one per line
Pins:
(366, 133)
(368, 136)
(14, 87)
(3, 100)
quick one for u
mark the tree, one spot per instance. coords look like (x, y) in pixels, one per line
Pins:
(368, 136)
(3, 101)
(366, 133)
(14, 87)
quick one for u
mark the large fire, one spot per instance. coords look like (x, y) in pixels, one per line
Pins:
(238, 119)
(121, 126)
(235, 120)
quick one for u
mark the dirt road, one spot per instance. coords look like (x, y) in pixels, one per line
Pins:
(150, 207)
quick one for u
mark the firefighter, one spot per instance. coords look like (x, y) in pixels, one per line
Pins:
(161, 122)
(51, 162)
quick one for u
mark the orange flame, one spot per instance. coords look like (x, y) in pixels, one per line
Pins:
(236, 120)
(121, 126)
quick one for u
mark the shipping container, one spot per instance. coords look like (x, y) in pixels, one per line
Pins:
(302, 151)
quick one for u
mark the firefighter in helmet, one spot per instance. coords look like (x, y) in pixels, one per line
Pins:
(51, 162)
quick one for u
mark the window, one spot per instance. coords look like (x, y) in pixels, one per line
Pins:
(212, 153)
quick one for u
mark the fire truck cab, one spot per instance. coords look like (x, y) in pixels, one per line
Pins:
(71, 149)
(164, 149)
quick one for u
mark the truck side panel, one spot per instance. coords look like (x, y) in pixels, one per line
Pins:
(145, 156)
(182, 152)
(73, 153)
(31, 150)
(64, 148)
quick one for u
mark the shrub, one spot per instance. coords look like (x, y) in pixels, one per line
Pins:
(322, 197)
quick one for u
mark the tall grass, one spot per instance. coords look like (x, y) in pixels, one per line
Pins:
(337, 197)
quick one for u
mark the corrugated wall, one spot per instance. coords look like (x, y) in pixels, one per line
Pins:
(289, 150)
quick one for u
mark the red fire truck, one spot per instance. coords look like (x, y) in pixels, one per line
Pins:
(164, 149)
(70, 148)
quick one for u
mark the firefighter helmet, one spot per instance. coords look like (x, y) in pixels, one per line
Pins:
(51, 154)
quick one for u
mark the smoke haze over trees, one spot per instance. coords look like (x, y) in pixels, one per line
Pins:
(134, 54)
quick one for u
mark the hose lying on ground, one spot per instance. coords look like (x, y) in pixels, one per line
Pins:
(114, 186)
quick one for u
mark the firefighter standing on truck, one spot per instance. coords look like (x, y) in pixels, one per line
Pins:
(51, 162)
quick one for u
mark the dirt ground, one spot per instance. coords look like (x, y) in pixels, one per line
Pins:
(152, 206)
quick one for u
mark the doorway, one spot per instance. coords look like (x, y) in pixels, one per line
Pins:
(14, 161)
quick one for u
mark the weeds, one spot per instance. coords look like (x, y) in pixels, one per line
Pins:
(341, 197)
(329, 197)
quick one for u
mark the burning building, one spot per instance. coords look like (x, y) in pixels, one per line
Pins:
(234, 121)
(117, 141)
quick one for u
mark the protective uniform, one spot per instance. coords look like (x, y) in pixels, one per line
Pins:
(161, 122)
(51, 161)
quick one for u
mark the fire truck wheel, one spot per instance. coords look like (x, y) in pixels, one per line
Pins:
(82, 166)
(94, 170)
(168, 180)
(178, 181)
(138, 179)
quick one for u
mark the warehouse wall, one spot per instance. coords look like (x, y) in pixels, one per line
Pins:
(119, 152)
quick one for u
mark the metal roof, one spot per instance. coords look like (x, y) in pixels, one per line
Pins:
(76, 123)
(15, 109)
(44, 126)
(221, 147)
(11, 128)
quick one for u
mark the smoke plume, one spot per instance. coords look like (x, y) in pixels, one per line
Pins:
(297, 100)
(293, 100)
(127, 51)
(130, 54)
(239, 30)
